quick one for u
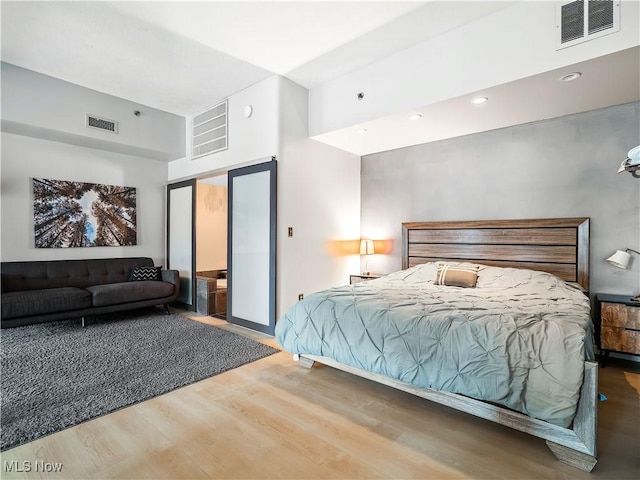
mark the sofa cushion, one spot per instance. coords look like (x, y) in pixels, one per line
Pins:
(48, 300)
(137, 274)
(125, 292)
(20, 276)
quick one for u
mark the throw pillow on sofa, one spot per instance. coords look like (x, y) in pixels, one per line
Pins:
(140, 274)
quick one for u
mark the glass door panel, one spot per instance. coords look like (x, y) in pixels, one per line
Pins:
(252, 246)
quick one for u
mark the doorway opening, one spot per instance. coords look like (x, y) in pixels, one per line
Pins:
(221, 237)
(211, 246)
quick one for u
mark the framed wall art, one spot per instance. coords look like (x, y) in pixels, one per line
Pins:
(79, 214)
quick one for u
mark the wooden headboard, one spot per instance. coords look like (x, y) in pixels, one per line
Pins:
(555, 245)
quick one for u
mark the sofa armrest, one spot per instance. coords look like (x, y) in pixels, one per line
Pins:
(171, 276)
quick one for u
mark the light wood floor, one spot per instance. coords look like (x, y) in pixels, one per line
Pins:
(273, 419)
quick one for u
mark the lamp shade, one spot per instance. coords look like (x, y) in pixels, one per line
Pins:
(620, 259)
(366, 247)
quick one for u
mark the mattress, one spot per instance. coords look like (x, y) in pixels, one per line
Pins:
(519, 338)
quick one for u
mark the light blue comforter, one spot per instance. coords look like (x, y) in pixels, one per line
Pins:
(519, 338)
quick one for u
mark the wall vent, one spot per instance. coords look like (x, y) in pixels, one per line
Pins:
(100, 123)
(582, 20)
(210, 131)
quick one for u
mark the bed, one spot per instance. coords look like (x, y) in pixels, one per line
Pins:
(488, 317)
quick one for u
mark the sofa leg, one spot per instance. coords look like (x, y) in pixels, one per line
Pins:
(83, 324)
(166, 307)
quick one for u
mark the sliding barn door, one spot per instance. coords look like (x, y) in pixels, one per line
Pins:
(251, 264)
(181, 254)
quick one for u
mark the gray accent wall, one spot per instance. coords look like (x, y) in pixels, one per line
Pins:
(562, 167)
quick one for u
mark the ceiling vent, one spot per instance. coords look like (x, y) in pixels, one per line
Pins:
(100, 123)
(210, 131)
(582, 20)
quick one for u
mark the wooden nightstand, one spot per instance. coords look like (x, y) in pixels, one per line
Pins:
(617, 324)
(363, 278)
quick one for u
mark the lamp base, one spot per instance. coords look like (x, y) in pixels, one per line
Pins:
(366, 273)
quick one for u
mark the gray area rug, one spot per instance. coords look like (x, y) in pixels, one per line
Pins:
(56, 375)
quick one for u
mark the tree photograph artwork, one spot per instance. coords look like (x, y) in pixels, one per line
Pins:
(79, 214)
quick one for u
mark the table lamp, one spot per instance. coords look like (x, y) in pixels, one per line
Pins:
(366, 249)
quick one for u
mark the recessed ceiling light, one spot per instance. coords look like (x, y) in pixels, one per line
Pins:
(361, 130)
(415, 116)
(479, 100)
(570, 76)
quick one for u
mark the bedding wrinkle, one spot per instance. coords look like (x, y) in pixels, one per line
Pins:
(375, 358)
(416, 361)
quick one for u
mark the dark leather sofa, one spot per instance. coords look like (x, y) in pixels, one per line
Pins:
(42, 291)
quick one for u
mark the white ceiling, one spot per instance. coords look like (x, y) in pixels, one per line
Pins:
(183, 56)
(608, 80)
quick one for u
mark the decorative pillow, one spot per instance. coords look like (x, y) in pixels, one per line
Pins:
(457, 275)
(139, 274)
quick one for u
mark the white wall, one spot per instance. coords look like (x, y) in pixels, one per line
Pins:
(24, 158)
(318, 185)
(211, 227)
(319, 196)
(510, 44)
(250, 139)
(45, 107)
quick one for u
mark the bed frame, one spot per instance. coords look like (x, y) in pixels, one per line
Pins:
(556, 245)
